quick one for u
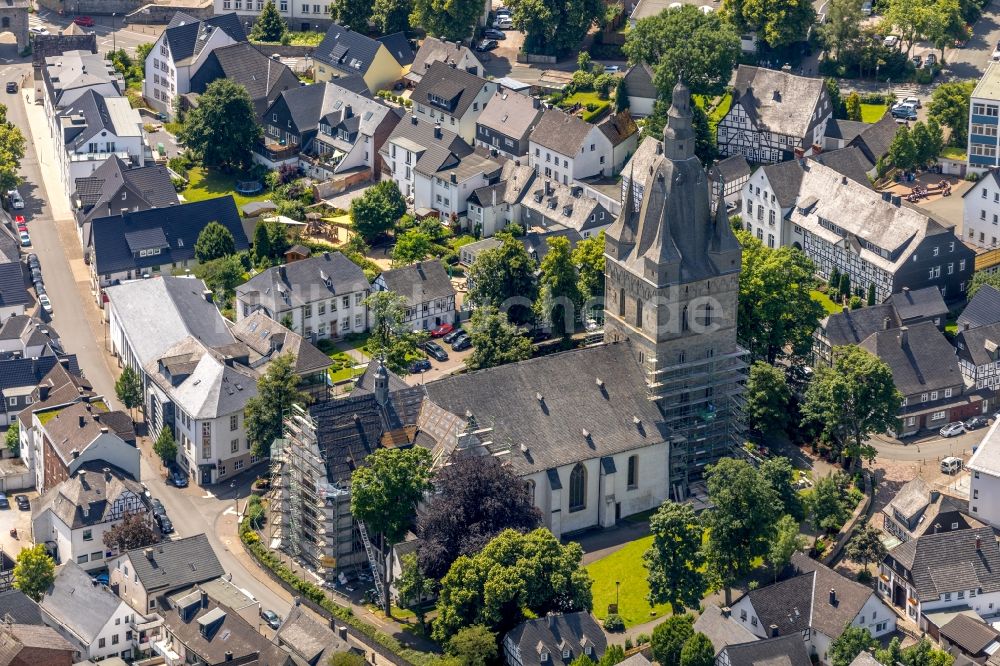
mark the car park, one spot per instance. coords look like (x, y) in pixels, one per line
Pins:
(84, 21)
(976, 422)
(952, 429)
(951, 464)
(487, 45)
(16, 201)
(454, 335)
(461, 343)
(272, 619)
(22, 501)
(493, 33)
(442, 330)
(11, 87)
(4, 502)
(420, 365)
(24, 238)
(43, 300)
(436, 351)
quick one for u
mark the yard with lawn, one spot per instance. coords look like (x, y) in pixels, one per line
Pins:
(209, 183)
(583, 98)
(626, 567)
(953, 153)
(825, 301)
(872, 113)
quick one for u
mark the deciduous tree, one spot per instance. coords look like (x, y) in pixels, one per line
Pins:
(133, 531)
(767, 396)
(11, 152)
(277, 391)
(34, 571)
(261, 239)
(785, 543)
(698, 651)
(391, 339)
(981, 278)
(588, 257)
(842, 29)
(377, 210)
(414, 586)
(558, 293)
(213, 242)
(781, 476)
(866, 545)
(222, 276)
(384, 495)
(412, 246)
(474, 646)
(555, 27)
(452, 20)
(849, 645)
(223, 129)
(674, 559)
(128, 388)
(828, 502)
(269, 26)
(778, 23)
(495, 341)
(949, 106)
(504, 277)
(853, 105)
(12, 438)
(352, 13)
(165, 447)
(392, 16)
(669, 638)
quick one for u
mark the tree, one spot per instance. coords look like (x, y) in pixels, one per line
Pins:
(128, 388)
(346, 659)
(892, 654)
(261, 238)
(683, 40)
(513, 577)
(34, 571)
(834, 281)
(776, 310)
(269, 27)
(223, 128)
(495, 341)
(845, 286)
(704, 137)
(277, 391)
(698, 651)
(213, 242)
(559, 295)
(852, 400)
(827, 504)
(352, 13)
(451, 20)
(871, 294)
(583, 62)
(13, 438)
(391, 339)
(412, 246)
(377, 210)
(221, 275)
(902, 150)
(767, 396)
(866, 545)
(943, 24)
(787, 541)
(923, 653)
(392, 16)
(588, 257)
(669, 638)
(949, 106)
(674, 559)
(849, 645)
(842, 29)
(781, 476)
(165, 447)
(780, 23)
(615, 654)
(11, 152)
(474, 646)
(133, 531)
(740, 527)
(981, 278)
(413, 586)
(927, 142)
(555, 27)
(907, 17)
(853, 105)
(504, 278)
(621, 95)
(384, 496)
(475, 500)
(836, 100)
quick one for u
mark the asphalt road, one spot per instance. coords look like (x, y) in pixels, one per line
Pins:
(930, 448)
(111, 32)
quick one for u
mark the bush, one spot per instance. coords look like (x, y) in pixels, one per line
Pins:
(642, 639)
(583, 80)
(864, 576)
(614, 623)
(179, 183)
(628, 643)
(179, 165)
(924, 76)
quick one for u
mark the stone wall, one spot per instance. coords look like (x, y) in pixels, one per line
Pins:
(53, 45)
(91, 7)
(152, 14)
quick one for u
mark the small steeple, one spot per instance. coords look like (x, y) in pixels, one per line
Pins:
(678, 134)
(620, 237)
(381, 383)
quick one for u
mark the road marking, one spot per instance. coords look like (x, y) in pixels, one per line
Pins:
(208, 495)
(229, 512)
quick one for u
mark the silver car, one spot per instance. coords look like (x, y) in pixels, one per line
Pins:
(952, 429)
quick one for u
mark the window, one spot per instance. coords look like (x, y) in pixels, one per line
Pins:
(88, 535)
(638, 313)
(743, 615)
(238, 465)
(345, 324)
(621, 302)
(222, 470)
(633, 472)
(947, 596)
(206, 449)
(753, 621)
(578, 488)
(101, 642)
(934, 395)
(114, 639)
(939, 416)
(321, 309)
(346, 301)
(961, 265)
(307, 311)
(234, 422)
(234, 446)
(357, 321)
(923, 397)
(947, 393)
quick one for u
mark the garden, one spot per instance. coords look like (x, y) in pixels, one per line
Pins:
(589, 95)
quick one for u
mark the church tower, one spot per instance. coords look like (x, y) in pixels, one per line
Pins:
(671, 284)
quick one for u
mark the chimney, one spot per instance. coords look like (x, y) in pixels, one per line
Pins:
(413, 119)
(75, 453)
(64, 362)
(773, 630)
(333, 624)
(453, 177)
(896, 201)
(281, 272)
(887, 196)
(833, 597)
(208, 295)
(903, 339)
(107, 473)
(979, 543)
(83, 477)
(149, 554)
(776, 96)
(83, 421)
(659, 148)
(204, 599)
(348, 112)
(437, 130)
(965, 326)
(104, 430)
(229, 655)
(551, 618)
(726, 611)
(342, 632)
(886, 323)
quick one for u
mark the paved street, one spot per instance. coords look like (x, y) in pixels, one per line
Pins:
(111, 32)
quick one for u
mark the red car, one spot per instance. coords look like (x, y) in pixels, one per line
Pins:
(22, 227)
(19, 220)
(442, 330)
(84, 21)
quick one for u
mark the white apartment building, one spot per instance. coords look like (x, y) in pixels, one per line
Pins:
(452, 97)
(566, 148)
(981, 211)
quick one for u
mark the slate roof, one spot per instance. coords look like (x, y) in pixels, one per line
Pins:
(175, 564)
(263, 77)
(950, 561)
(347, 51)
(319, 277)
(845, 130)
(99, 114)
(564, 205)
(721, 630)
(456, 86)
(618, 127)
(924, 362)
(874, 140)
(74, 70)
(730, 169)
(560, 132)
(180, 225)
(87, 498)
(983, 308)
(851, 327)
(925, 303)
(186, 35)
(399, 47)
(537, 244)
(12, 289)
(510, 114)
(572, 401)
(972, 635)
(172, 307)
(438, 154)
(911, 500)
(150, 184)
(778, 101)
(434, 50)
(268, 338)
(785, 178)
(23, 372)
(19, 642)
(307, 638)
(639, 82)
(74, 428)
(787, 650)
(979, 346)
(556, 633)
(19, 607)
(366, 382)
(75, 603)
(418, 283)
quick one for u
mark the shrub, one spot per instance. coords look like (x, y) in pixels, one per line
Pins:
(179, 183)
(864, 576)
(642, 639)
(583, 80)
(628, 643)
(178, 165)
(614, 622)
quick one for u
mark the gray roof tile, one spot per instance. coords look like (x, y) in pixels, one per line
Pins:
(951, 561)
(776, 100)
(321, 276)
(75, 602)
(787, 650)
(983, 309)
(174, 564)
(926, 362)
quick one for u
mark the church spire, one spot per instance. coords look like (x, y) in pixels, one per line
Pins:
(678, 133)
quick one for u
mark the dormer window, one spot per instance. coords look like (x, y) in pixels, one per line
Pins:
(588, 650)
(565, 654)
(543, 657)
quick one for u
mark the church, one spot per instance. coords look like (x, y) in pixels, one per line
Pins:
(597, 433)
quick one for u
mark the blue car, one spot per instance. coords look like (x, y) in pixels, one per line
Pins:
(102, 578)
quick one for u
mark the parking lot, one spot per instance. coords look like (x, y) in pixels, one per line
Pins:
(14, 518)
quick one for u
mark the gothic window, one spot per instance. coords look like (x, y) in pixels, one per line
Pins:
(684, 320)
(633, 472)
(621, 302)
(638, 313)
(706, 319)
(6, 22)
(531, 490)
(578, 488)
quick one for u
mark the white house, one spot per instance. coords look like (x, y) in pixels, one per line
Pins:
(984, 487)
(981, 211)
(979, 355)
(567, 148)
(178, 53)
(75, 514)
(429, 294)
(817, 604)
(91, 617)
(68, 76)
(451, 97)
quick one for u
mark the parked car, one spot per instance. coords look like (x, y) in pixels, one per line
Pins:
(930, 60)
(976, 422)
(462, 343)
(25, 239)
(179, 478)
(454, 335)
(22, 502)
(890, 41)
(19, 220)
(952, 429)
(503, 11)
(11, 87)
(493, 33)
(866, 7)
(951, 464)
(273, 619)
(910, 101)
(158, 509)
(918, 61)
(166, 526)
(16, 202)
(43, 300)
(996, 52)
(904, 112)
(36, 276)
(38, 30)
(487, 45)
(4, 502)
(442, 330)
(22, 227)
(84, 21)
(421, 365)
(612, 69)
(436, 351)
(503, 23)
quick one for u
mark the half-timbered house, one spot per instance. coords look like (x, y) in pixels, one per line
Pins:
(979, 355)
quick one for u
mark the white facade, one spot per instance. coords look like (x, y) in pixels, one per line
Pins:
(220, 442)
(165, 79)
(596, 156)
(424, 316)
(981, 213)
(984, 486)
(738, 135)
(763, 215)
(127, 142)
(300, 14)
(328, 317)
(112, 641)
(464, 126)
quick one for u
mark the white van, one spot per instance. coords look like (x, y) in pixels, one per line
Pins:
(951, 464)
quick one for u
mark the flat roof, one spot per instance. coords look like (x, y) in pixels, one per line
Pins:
(989, 86)
(986, 459)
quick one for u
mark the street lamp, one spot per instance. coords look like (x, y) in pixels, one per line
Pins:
(617, 583)
(114, 41)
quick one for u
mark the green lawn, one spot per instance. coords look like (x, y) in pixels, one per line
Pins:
(583, 98)
(872, 113)
(953, 153)
(825, 301)
(624, 566)
(208, 184)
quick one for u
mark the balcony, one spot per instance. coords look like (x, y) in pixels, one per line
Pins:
(274, 151)
(93, 157)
